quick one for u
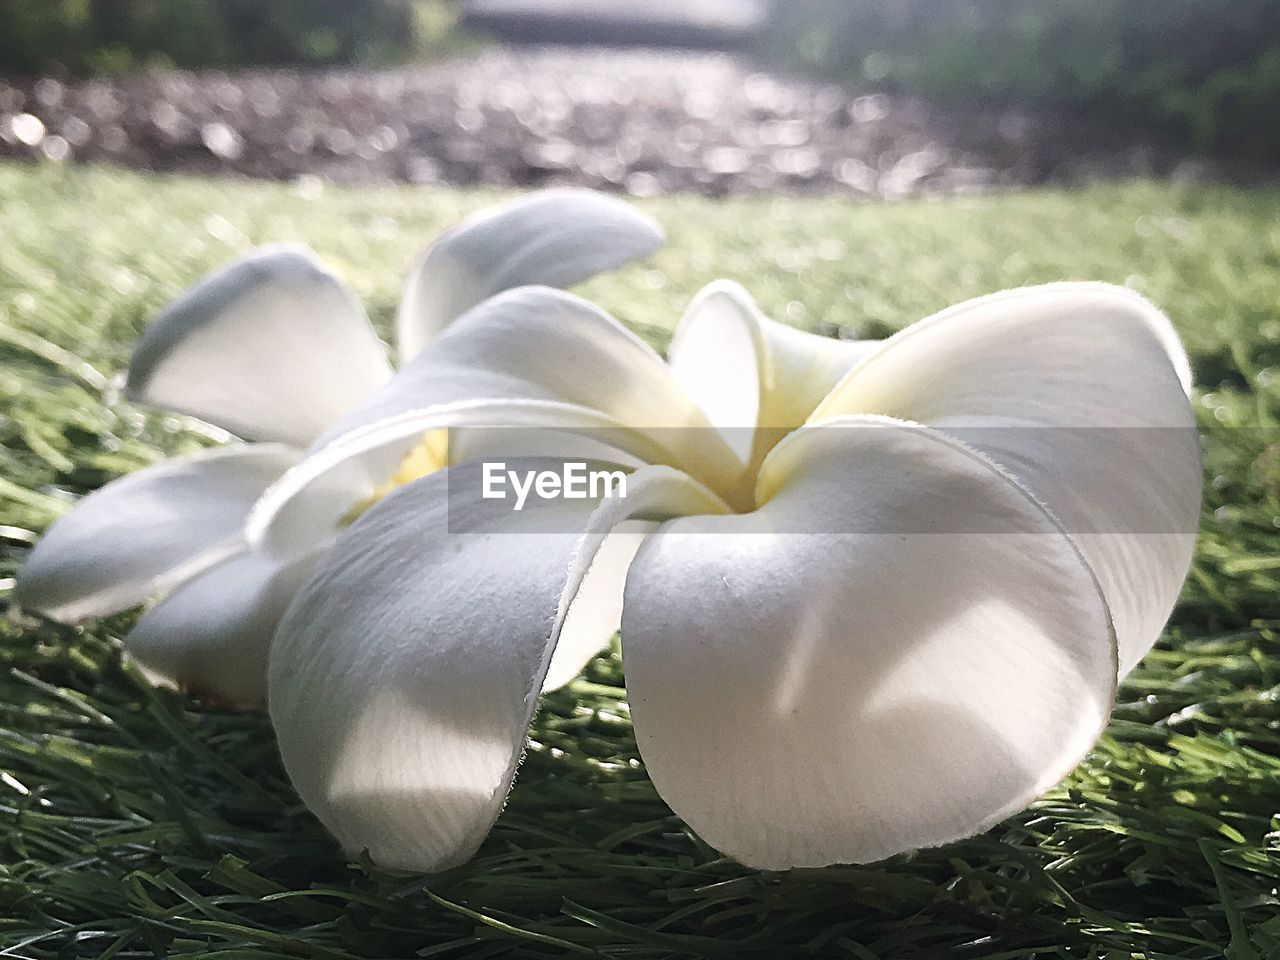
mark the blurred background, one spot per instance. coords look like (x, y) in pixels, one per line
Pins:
(877, 97)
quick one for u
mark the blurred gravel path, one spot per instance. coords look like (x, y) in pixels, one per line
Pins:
(640, 121)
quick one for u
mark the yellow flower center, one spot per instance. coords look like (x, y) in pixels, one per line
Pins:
(427, 457)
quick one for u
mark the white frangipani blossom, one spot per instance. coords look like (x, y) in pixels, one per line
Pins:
(275, 349)
(872, 597)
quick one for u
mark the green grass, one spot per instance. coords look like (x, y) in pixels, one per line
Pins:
(133, 823)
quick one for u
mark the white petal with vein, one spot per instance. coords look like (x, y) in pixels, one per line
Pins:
(272, 347)
(533, 358)
(1078, 389)
(596, 613)
(211, 637)
(404, 677)
(303, 511)
(556, 238)
(899, 649)
(537, 343)
(148, 531)
(754, 377)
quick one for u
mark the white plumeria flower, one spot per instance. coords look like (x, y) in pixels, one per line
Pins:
(274, 349)
(888, 614)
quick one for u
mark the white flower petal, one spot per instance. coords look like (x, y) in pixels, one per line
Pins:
(405, 674)
(900, 648)
(533, 358)
(556, 238)
(596, 613)
(747, 371)
(499, 443)
(211, 636)
(1079, 390)
(272, 347)
(537, 343)
(148, 531)
(302, 512)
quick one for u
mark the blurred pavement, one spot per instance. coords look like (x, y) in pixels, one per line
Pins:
(639, 121)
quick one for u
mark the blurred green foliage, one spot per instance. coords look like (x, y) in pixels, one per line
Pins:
(86, 36)
(1207, 71)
